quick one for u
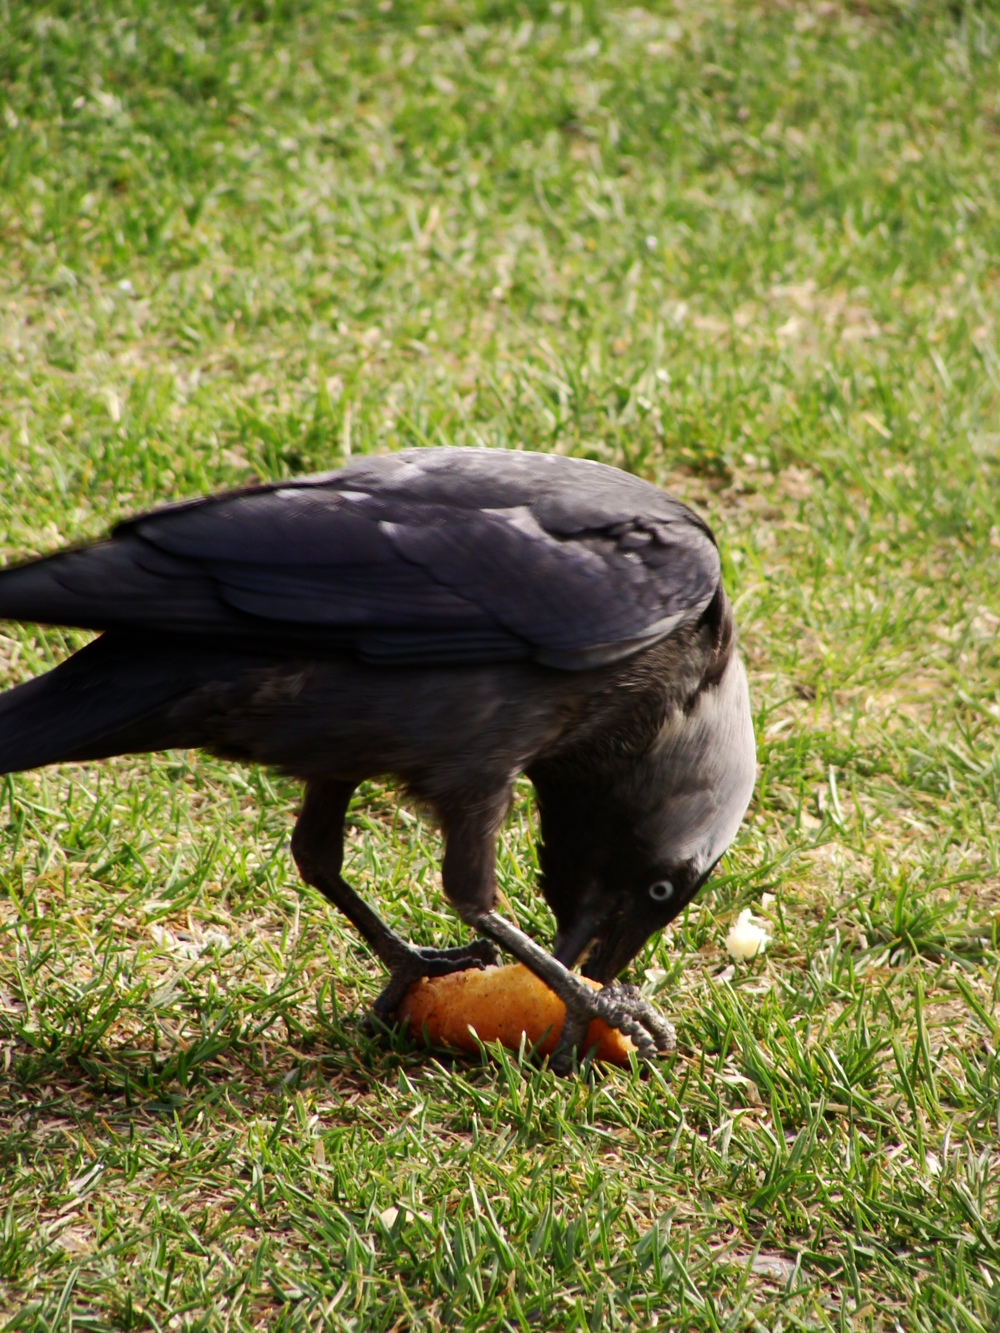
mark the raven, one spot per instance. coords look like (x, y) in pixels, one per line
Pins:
(451, 618)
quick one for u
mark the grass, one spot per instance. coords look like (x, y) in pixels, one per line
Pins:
(747, 252)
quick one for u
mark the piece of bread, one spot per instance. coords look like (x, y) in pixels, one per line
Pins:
(500, 1003)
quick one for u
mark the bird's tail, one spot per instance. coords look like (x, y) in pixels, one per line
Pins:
(116, 696)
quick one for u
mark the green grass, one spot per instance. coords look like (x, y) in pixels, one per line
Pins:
(749, 253)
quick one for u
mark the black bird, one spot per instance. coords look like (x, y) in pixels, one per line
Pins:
(452, 618)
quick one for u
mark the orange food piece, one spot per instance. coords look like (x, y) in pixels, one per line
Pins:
(500, 1003)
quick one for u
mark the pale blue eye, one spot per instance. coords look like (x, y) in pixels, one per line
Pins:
(661, 891)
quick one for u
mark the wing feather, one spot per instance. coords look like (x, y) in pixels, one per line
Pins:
(437, 555)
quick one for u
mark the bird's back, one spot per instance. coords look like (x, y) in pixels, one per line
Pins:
(427, 556)
(436, 559)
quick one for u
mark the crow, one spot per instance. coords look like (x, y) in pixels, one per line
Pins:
(451, 618)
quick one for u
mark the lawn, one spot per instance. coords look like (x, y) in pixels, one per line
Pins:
(748, 252)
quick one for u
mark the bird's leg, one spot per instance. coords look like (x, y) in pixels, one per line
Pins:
(318, 848)
(468, 873)
(621, 1007)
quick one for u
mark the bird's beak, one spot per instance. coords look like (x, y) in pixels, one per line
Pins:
(570, 945)
(615, 936)
(615, 947)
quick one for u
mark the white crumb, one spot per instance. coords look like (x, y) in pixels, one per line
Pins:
(747, 937)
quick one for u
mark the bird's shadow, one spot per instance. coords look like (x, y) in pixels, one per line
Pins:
(349, 1055)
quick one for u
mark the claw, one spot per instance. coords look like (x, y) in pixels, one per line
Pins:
(411, 964)
(622, 1007)
(619, 1004)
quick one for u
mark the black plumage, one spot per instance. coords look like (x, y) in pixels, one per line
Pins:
(452, 618)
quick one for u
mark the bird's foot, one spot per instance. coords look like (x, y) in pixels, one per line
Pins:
(410, 964)
(620, 1006)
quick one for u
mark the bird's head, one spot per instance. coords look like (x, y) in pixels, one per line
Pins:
(623, 861)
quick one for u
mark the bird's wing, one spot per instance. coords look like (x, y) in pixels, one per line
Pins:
(426, 556)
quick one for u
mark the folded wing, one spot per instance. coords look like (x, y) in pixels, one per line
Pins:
(424, 556)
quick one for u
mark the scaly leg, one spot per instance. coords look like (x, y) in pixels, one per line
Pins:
(621, 1007)
(468, 873)
(318, 848)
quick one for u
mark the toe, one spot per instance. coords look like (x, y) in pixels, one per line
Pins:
(486, 951)
(625, 1008)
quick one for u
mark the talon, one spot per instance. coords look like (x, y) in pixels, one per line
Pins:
(411, 964)
(621, 1004)
(623, 1007)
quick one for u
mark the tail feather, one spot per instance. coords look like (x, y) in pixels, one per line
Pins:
(123, 583)
(116, 696)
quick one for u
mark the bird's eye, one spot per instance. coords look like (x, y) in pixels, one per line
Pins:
(661, 891)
